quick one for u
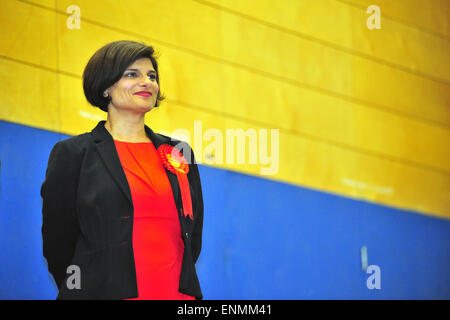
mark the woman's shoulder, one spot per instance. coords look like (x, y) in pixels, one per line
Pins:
(179, 144)
(183, 146)
(75, 141)
(168, 139)
(72, 146)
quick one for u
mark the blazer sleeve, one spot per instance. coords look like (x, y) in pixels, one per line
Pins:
(196, 239)
(60, 228)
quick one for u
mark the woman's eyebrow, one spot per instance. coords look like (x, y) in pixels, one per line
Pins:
(150, 71)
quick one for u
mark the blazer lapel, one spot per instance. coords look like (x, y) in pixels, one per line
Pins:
(158, 140)
(107, 150)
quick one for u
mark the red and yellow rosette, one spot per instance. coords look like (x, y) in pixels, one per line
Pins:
(174, 161)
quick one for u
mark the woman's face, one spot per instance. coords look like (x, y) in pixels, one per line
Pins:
(137, 89)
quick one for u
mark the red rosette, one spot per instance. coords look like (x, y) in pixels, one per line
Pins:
(174, 161)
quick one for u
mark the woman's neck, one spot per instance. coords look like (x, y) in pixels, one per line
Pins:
(128, 129)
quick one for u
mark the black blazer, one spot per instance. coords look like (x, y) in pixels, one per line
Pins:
(87, 217)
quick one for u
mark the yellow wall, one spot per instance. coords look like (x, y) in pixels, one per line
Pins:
(362, 113)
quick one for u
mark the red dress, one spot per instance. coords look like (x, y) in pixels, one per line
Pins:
(157, 243)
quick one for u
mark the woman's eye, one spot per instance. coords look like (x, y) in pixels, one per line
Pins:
(133, 74)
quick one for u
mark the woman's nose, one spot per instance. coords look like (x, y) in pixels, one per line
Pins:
(147, 81)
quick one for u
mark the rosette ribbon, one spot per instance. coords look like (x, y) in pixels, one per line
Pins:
(174, 161)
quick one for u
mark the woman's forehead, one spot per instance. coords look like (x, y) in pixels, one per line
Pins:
(142, 64)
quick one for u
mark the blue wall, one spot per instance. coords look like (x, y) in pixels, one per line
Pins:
(261, 240)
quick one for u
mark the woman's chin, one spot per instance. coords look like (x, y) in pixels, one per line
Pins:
(141, 108)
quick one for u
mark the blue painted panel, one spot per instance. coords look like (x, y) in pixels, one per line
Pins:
(24, 154)
(262, 239)
(286, 242)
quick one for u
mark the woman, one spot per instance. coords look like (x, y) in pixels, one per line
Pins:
(122, 204)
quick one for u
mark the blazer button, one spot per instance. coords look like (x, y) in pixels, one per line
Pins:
(187, 235)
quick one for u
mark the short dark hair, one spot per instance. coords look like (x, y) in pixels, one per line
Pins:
(107, 66)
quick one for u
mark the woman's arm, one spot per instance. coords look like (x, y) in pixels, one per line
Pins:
(60, 227)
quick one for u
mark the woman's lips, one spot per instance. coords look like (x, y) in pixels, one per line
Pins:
(144, 94)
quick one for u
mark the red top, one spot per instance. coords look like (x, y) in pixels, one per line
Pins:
(157, 243)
